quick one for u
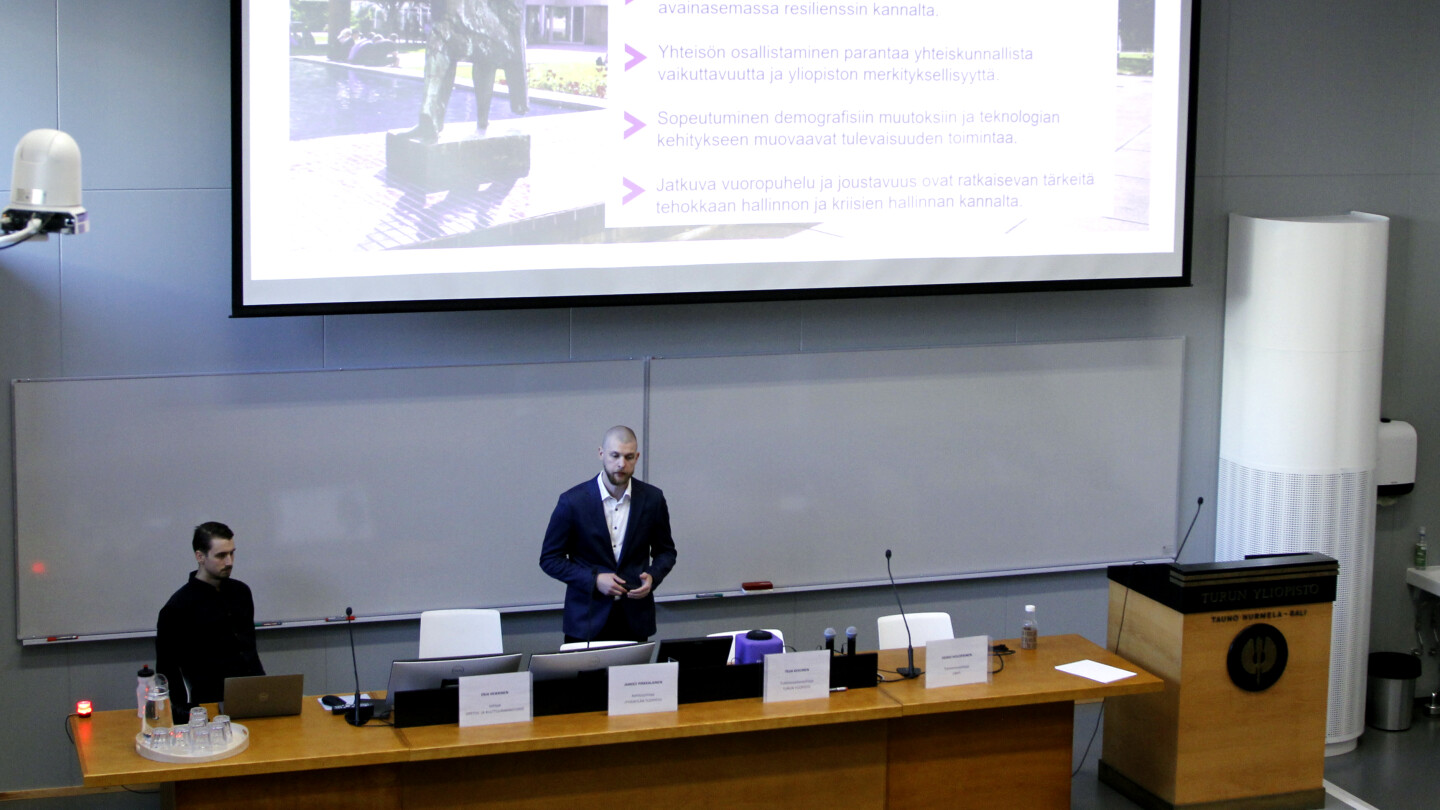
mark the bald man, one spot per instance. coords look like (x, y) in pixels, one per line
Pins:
(609, 542)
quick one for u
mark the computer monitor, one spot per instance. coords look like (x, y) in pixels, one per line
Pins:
(432, 673)
(557, 665)
(696, 652)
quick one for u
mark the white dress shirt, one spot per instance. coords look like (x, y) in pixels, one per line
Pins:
(617, 514)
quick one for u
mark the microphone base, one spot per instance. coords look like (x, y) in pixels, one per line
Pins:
(909, 672)
(359, 714)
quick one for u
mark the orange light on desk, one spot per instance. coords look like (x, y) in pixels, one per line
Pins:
(84, 708)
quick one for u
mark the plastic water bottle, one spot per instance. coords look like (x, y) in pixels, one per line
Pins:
(1029, 629)
(144, 679)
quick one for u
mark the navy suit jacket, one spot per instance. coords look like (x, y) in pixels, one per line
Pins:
(577, 547)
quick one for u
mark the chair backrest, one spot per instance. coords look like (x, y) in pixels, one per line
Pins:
(733, 633)
(591, 645)
(445, 633)
(923, 628)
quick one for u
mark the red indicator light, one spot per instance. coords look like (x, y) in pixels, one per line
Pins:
(83, 708)
(38, 568)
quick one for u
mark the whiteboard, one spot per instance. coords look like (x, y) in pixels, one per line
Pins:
(802, 469)
(401, 490)
(391, 491)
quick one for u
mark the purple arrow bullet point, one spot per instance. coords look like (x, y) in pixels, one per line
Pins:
(635, 191)
(636, 57)
(635, 124)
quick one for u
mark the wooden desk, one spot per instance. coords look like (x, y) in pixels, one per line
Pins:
(1012, 746)
(308, 741)
(865, 748)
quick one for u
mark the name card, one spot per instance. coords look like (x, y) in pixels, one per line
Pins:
(488, 700)
(957, 661)
(644, 688)
(797, 676)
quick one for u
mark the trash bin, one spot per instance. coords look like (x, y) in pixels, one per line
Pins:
(1390, 692)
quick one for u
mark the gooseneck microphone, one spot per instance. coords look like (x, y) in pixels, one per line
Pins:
(1199, 502)
(910, 671)
(356, 715)
(830, 639)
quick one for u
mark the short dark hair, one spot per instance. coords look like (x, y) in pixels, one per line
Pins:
(207, 532)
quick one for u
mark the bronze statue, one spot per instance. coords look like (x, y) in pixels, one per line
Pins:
(491, 34)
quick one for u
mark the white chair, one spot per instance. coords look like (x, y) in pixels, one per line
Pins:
(733, 633)
(449, 633)
(923, 627)
(591, 645)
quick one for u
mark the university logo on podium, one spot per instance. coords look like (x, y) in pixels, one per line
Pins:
(1257, 657)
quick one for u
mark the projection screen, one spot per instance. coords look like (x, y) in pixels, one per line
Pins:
(388, 158)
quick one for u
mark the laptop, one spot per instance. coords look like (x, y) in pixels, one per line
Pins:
(263, 696)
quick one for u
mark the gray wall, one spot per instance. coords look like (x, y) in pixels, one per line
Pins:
(1305, 107)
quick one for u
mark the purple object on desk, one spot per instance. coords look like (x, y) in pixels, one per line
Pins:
(752, 647)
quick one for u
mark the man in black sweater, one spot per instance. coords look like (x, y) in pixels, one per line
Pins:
(206, 632)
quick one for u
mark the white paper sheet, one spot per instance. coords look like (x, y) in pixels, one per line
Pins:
(1095, 671)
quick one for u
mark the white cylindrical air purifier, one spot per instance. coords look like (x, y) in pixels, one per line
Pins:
(1299, 416)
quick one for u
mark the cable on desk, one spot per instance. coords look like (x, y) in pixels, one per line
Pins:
(1000, 651)
(1119, 631)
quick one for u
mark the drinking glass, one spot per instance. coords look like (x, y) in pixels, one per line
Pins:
(200, 739)
(221, 734)
(180, 740)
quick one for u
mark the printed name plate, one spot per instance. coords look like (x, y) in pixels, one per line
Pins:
(644, 688)
(487, 700)
(797, 676)
(957, 661)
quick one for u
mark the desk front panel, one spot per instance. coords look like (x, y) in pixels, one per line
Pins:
(819, 767)
(995, 759)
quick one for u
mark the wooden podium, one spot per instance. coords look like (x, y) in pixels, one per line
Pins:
(1244, 650)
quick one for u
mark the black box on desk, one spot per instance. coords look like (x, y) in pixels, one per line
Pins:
(858, 671)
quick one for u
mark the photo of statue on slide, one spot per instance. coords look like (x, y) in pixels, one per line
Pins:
(476, 123)
(490, 34)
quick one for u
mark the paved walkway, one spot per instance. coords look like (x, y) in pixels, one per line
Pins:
(344, 180)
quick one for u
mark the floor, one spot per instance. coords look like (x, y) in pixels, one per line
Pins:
(1388, 770)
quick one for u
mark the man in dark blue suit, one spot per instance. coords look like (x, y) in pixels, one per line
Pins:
(609, 542)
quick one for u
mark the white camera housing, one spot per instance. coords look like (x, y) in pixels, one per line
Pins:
(46, 185)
